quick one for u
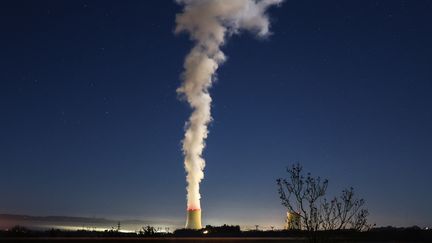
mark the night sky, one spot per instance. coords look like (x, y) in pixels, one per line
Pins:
(91, 124)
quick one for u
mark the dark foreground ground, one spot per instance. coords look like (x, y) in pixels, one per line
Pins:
(224, 234)
(201, 240)
(159, 240)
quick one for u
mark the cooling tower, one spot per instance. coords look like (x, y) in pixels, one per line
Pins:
(193, 220)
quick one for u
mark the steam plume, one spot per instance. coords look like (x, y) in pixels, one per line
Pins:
(208, 23)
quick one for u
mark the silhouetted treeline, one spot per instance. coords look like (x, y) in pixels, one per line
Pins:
(19, 231)
(383, 234)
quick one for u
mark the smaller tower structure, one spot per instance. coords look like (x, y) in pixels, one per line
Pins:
(293, 221)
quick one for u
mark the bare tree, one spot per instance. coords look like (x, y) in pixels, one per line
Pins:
(305, 195)
(300, 193)
(345, 211)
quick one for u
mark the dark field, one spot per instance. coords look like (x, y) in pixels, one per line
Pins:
(413, 234)
(160, 240)
(203, 240)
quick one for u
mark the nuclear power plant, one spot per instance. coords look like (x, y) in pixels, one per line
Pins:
(209, 23)
(193, 220)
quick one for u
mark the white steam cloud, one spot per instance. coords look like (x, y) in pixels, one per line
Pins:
(208, 23)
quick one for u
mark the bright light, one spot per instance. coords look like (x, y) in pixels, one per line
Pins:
(205, 232)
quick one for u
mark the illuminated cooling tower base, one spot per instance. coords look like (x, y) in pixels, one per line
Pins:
(193, 220)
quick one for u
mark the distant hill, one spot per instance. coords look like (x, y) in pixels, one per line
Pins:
(75, 223)
(14, 217)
